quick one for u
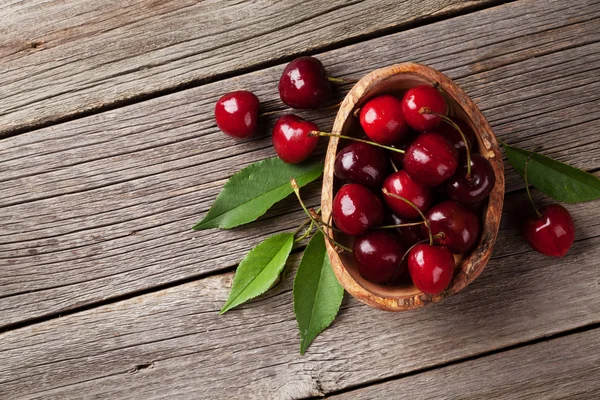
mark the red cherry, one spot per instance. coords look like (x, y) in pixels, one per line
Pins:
(397, 157)
(382, 120)
(290, 138)
(400, 184)
(458, 226)
(378, 255)
(356, 209)
(430, 159)
(419, 97)
(304, 84)
(236, 114)
(552, 233)
(454, 137)
(361, 163)
(408, 235)
(476, 188)
(430, 267)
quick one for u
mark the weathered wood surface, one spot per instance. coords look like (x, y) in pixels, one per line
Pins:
(60, 59)
(562, 368)
(101, 206)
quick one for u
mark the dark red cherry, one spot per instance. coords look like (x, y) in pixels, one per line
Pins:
(408, 235)
(361, 163)
(304, 84)
(454, 137)
(431, 267)
(400, 184)
(397, 157)
(356, 209)
(381, 119)
(419, 97)
(236, 114)
(430, 159)
(458, 226)
(378, 255)
(476, 188)
(290, 138)
(551, 234)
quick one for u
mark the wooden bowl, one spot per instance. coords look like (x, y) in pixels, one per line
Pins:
(396, 80)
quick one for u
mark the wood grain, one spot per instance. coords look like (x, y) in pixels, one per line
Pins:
(101, 206)
(562, 368)
(63, 58)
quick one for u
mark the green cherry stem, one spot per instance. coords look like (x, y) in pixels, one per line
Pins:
(393, 165)
(341, 80)
(410, 203)
(539, 214)
(400, 225)
(327, 134)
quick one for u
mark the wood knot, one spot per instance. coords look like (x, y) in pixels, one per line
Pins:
(36, 44)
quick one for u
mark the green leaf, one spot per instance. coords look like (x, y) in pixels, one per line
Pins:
(259, 270)
(253, 190)
(553, 178)
(317, 293)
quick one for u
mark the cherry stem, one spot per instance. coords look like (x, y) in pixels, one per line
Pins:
(400, 225)
(327, 134)
(410, 203)
(297, 192)
(307, 233)
(427, 110)
(539, 214)
(341, 80)
(393, 165)
(356, 112)
(272, 112)
(402, 260)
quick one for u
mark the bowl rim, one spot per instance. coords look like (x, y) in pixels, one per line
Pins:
(475, 262)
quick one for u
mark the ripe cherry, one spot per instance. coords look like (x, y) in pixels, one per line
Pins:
(453, 226)
(378, 255)
(473, 189)
(304, 84)
(361, 163)
(430, 267)
(356, 209)
(291, 140)
(381, 119)
(552, 232)
(408, 235)
(430, 159)
(419, 97)
(454, 136)
(398, 158)
(236, 113)
(401, 184)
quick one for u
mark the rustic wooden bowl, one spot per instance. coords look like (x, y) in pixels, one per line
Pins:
(397, 79)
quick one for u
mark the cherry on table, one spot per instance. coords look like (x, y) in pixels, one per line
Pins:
(552, 233)
(408, 235)
(304, 84)
(431, 267)
(361, 163)
(401, 184)
(236, 113)
(378, 255)
(356, 209)
(291, 140)
(473, 189)
(455, 226)
(423, 96)
(382, 120)
(430, 159)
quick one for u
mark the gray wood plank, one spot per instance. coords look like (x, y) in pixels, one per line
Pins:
(60, 59)
(562, 368)
(102, 206)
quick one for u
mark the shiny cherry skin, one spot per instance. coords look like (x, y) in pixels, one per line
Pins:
(553, 233)
(378, 255)
(431, 268)
(408, 235)
(423, 96)
(454, 137)
(476, 188)
(381, 119)
(290, 138)
(304, 84)
(397, 157)
(401, 184)
(356, 209)
(361, 163)
(236, 114)
(430, 159)
(458, 226)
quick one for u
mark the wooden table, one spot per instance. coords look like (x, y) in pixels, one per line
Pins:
(109, 154)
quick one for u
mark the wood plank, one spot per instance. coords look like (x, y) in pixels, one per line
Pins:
(562, 368)
(89, 54)
(102, 206)
(173, 343)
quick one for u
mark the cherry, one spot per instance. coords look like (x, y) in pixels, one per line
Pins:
(401, 184)
(473, 189)
(397, 157)
(291, 140)
(458, 226)
(304, 84)
(551, 232)
(381, 119)
(408, 235)
(361, 163)
(430, 267)
(430, 159)
(356, 209)
(419, 97)
(454, 136)
(236, 113)
(378, 255)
